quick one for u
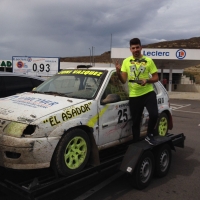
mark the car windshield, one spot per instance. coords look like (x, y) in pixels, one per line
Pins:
(73, 83)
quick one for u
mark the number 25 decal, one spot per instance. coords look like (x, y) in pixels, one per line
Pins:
(123, 117)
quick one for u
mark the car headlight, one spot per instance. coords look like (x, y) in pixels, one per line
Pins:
(17, 129)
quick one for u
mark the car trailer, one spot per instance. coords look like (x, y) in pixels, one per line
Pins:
(139, 161)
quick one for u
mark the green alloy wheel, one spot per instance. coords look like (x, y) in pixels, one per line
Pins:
(75, 152)
(72, 152)
(162, 125)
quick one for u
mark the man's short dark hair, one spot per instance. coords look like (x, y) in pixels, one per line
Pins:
(135, 41)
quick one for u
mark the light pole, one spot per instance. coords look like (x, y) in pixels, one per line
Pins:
(110, 49)
(93, 56)
(90, 56)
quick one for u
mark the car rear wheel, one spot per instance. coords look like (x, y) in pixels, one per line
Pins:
(162, 125)
(72, 152)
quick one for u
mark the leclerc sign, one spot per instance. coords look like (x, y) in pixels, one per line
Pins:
(165, 54)
(155, 53)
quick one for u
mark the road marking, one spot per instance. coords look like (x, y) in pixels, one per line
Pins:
(177, 106)
(186, 111)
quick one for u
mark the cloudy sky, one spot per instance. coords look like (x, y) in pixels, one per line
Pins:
(65, 28)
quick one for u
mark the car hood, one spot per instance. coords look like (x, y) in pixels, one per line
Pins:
(28, 107)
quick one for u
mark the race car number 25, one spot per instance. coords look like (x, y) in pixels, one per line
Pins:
(123, 117)
(41, 67)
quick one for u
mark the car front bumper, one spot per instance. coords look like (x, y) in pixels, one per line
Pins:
(26, 153)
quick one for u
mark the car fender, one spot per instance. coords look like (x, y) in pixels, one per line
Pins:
(65, 126)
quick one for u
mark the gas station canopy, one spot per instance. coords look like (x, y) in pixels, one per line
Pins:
(178, 58)
(164, 58)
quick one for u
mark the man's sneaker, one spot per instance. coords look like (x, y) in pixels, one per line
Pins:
(150, 140)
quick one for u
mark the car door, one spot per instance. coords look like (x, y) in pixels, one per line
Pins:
(17, 84)
(2, 88)
(114, 118)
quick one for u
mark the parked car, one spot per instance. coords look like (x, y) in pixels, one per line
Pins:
(69, 118)
(13, 83)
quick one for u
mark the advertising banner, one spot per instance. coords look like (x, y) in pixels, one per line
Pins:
(35, 66)
(164, 54)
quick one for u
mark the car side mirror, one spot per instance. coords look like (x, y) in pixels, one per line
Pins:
(111, 98)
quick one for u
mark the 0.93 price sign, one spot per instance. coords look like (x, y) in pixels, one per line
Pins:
(41, 67)
(36, 66)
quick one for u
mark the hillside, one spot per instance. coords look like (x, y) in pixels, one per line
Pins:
(103, 58)
(192, 43)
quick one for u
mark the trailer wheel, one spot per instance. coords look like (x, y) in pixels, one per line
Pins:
(72, 152)
(144, 171)
(162, 125)
(163, 161)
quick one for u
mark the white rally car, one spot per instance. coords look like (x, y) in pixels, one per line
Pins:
(70, 118)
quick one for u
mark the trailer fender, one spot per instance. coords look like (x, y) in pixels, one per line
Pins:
(135, 151)
(132, 156)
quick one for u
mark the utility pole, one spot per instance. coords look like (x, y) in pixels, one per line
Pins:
(90, 56)
(110, 48)
(93, 56)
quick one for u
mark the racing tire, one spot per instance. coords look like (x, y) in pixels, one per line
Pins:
(144, 170)
(72, 152)
(163, 161)
(162, 125)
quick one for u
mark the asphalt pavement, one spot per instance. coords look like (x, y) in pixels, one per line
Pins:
(182, 181)
(184, 95)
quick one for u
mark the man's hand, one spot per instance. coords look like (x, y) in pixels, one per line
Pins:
(143, 82)
(121, 75)
(118, 67)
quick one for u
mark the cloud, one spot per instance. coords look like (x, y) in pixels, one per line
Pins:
(65, 28)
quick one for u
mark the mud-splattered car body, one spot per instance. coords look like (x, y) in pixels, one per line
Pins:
(33, 123)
